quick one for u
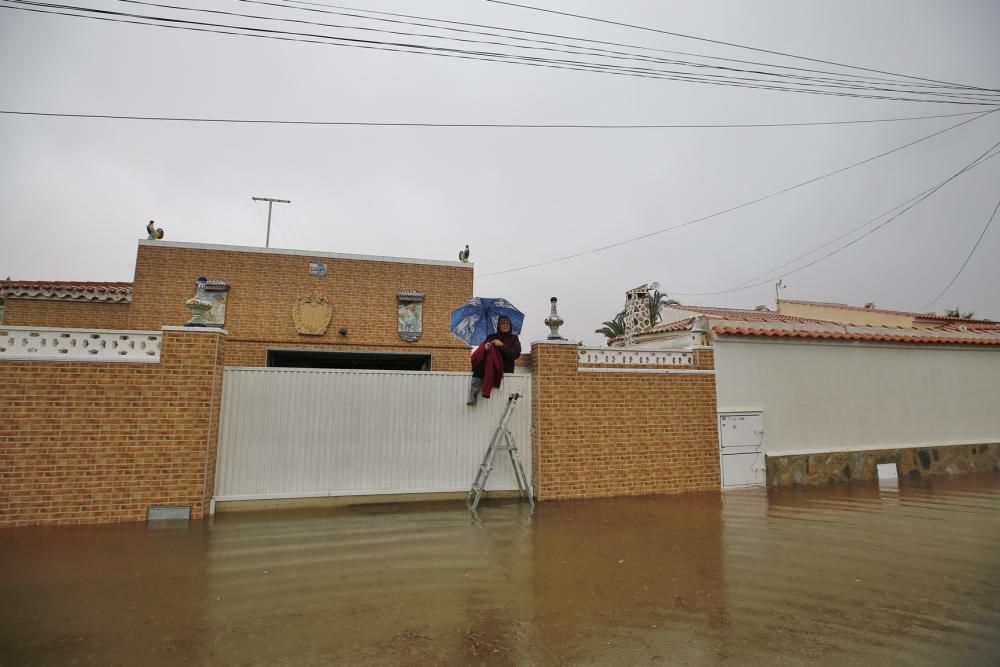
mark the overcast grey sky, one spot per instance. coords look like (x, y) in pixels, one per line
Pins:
(76, 193)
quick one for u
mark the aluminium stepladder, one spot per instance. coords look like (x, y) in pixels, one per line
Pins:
(502, 440)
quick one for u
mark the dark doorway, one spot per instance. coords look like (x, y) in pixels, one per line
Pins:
(382, 361)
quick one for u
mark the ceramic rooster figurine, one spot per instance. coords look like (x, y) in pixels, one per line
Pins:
(463, 255)
(155, 233)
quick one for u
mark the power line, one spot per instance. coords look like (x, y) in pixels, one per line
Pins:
(732, 44)
(570, 126)
(737, 206)
(906, 206)
(295, 223)
(827, 83)
(296, 4)
(591, 50)
(877, 227)
(418, 49)
(965, 263)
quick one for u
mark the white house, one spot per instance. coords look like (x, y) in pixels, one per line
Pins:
(803, 400)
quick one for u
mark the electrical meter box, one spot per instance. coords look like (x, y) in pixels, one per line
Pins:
(741, 441)
(741, 430)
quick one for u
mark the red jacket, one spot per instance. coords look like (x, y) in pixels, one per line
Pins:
(492, 367)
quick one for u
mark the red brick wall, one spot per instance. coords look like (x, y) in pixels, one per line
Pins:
(66, 314)
(87, 442)
(264, 288)
(620, 434)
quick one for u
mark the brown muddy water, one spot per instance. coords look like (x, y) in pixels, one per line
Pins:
(846, 575)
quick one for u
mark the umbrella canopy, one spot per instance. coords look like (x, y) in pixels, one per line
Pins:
(477, 318)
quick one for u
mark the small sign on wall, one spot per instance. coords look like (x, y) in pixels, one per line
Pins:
(317, 269)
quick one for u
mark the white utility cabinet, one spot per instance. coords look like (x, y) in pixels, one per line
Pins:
(741, 445)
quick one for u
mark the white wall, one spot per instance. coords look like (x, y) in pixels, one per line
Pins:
(820, 397)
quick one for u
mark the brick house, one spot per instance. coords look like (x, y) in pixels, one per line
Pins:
(263, 286)
(318, 376)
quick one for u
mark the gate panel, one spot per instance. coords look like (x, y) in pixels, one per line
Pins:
(299, 432)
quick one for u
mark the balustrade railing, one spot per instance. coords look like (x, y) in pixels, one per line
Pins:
(104, 345)
(603, 356)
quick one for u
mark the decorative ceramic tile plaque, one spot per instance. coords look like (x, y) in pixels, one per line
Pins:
(410, 315)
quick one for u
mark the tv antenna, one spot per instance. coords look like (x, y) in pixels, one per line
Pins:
(270, 203)
(778, 286)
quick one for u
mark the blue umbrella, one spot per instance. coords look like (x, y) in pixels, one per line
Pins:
(477, 318)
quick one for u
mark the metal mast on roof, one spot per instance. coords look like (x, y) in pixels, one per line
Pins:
(270, 203)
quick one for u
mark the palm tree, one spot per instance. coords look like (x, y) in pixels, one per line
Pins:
(655, 300)
(954, 312)
(613, 328)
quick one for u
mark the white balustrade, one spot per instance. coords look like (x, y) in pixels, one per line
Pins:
(104, 345)
(604, 356)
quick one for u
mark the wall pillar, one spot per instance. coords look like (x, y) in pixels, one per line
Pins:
(619, 422)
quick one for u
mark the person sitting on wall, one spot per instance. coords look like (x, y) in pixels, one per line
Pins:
(494, 357)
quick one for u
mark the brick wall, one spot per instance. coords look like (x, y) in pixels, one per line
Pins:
(264, 287)
(620, 434)
(86, 442)
(66, 314)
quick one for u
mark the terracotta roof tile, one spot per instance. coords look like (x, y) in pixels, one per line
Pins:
(921, 316)
(914, 338)
(679, 325)
(66, 290)
(746, 315)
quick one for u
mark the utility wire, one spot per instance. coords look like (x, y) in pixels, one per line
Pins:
(966, 262)
(296, 4)
(295, 222)
(445, 52)
(739, 46)
(866, 234)
(906, 206)
(558, 126)
(296, 235)
(409, 48)
(568, 48)
(737, 206)
(827, 82)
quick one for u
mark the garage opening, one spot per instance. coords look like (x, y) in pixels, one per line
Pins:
(381, 361)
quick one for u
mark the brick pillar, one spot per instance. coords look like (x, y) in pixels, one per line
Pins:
(192, 363)
(602, 431)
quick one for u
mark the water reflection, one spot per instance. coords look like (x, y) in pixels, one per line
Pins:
(852, 574)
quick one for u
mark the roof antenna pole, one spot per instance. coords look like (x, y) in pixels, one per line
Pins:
(270, 203)
(778, 285)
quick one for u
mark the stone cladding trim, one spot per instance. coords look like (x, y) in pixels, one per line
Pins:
(846, 466)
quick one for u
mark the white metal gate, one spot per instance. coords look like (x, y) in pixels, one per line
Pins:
(304, 432)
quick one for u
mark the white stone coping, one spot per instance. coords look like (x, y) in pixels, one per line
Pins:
(305, 253)
(217, 330)
(11, 327)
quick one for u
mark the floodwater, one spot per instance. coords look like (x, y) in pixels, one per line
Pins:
(843, 575)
